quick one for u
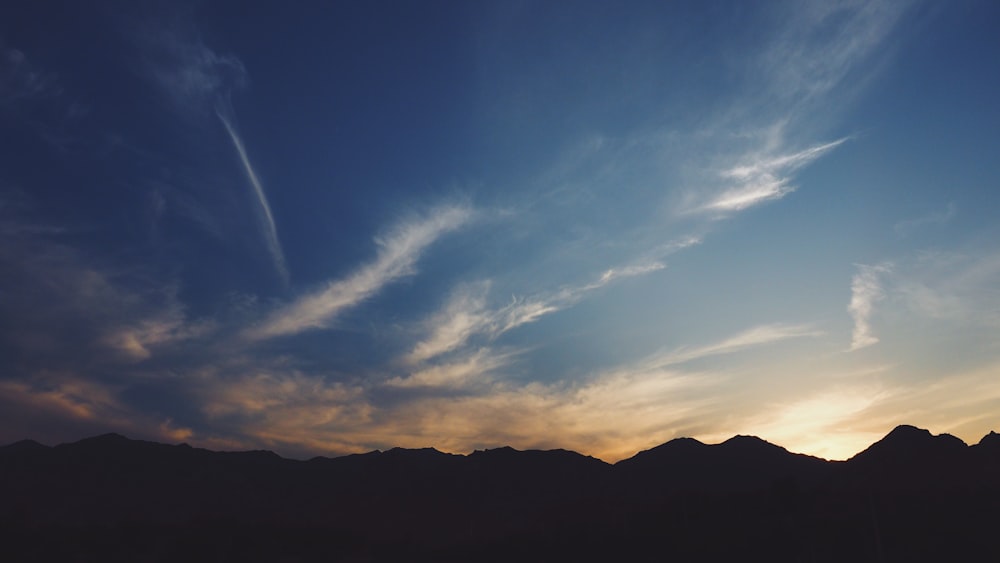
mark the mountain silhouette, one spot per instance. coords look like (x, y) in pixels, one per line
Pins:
(911, 496)
(742, 463)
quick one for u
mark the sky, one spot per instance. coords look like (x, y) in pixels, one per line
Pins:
(322, 228)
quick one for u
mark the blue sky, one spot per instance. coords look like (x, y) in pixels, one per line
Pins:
(326, 228)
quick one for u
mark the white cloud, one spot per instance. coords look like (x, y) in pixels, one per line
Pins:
(960, 287)
(137, 341)
(472, 369)
(904, 228)
(467, 315)
(866, 290)
(822, 44)
(756, 336)
(764, 177)
(398, 253)
(811, 67)
(198, 80)
(462, 317)
(193, 75)
(266, 218)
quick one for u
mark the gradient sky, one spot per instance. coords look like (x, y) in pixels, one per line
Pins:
(323, 228)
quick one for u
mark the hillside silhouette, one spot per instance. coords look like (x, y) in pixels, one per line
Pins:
(911, 496)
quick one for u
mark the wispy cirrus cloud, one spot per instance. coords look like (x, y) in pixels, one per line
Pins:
(21, 80)
(908, 226)
(464, 315)
(137, 340)
(266, 219)
(199, 81)
(866, 290)
(765, 177)
(191, 74)
(521, 311)
(463, 372)
(750, 338)
(821, 44)
(467, 314)
(397, 256)
(812, 67)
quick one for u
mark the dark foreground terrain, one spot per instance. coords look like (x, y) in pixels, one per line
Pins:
(909, 497)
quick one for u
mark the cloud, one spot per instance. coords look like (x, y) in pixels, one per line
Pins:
(821, 424)
(48, 403)
(254, 404)
(66, 395)
(609, 415)
(756, 336)
(764, 177)
(20, 80)
(266, 218)
(467, 403)
(466, 314)
(137, 341)
(398, 253)
(866, 290)
(960, 401)
(65, 307)
(840, 422)
(809, 68)
(958, 287)
(472, 369)
(907, 227)
(524, 311)
(462, 317)
(195, 77)
(198, 80)
(821, 45)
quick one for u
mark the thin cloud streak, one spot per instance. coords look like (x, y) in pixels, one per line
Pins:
(198, 80)
(904, 228)
(461, 373)
(193, 75)
(765, 179)
(463, 316)
(866, 290)
(756, 336)
(267, 218)
(466, 314)
(397, 256)
(800, 68)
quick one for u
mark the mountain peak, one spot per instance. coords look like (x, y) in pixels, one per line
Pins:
(906, 443)
(746, 439)
(905, 433)
(25, 445)
(992, 439)
(109, 438)
(908, 430)
(749, 444)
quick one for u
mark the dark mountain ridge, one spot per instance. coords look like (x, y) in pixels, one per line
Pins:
(899, 499)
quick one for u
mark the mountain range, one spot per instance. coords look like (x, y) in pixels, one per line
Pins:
(911, 496)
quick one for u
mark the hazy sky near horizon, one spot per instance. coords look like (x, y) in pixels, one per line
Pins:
(323, 228)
